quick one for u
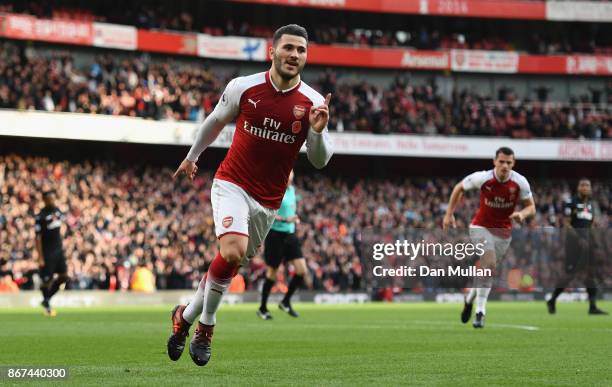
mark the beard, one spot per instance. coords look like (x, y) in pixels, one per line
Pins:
(278, 66)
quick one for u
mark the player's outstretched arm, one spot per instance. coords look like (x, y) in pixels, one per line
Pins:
(528, 211)
(207, 133)
(318, 144)
(449, 217)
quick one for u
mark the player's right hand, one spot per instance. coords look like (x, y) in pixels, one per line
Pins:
(188, 167)
(449, 220)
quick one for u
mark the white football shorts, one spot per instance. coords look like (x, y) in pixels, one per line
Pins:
(236, 212)
(479, 234)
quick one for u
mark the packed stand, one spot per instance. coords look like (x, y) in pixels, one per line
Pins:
(122, 220)
(32, 80)
(354, 29)
(138, 86)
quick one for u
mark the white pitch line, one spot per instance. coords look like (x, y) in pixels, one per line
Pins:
(493, 325)
(525, 327)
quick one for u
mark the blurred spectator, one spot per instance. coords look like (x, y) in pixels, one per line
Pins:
(7, 285)
(143, 279)
(369, 29)
(139, 87)
(129, 227)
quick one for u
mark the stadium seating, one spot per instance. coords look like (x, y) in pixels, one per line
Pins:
(121, 217)
(33, 79)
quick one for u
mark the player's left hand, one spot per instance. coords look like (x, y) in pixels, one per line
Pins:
(517, 216)
(319, 116)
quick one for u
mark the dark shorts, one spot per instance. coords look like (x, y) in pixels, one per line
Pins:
(279, 246)
(578, 257)
(54, 263)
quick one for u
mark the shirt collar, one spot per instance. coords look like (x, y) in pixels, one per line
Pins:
(500, 180)
(269, 78)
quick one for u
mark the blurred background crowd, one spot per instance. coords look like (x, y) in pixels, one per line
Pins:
(126, 221)
(139, 86)
(329, 27)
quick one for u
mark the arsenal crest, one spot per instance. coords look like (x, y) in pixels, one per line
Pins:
(299, 111)
(296, 127)
(512, 189)
(227, 221)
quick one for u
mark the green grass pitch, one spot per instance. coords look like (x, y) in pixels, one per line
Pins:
(373, 344)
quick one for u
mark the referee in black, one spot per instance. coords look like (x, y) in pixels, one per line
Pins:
(580, 246)
(49, 224)
(282, 244)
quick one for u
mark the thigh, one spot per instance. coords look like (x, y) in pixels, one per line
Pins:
(501, 246)
(480, 235)
(230, 209)
(60, 265)
(260, 222)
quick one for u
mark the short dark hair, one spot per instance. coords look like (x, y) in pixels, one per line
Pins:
(48, 193)
(289, 29)
(505, 150)
(583, 178)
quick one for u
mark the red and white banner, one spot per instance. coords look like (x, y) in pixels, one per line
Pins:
(434, 60)
(590, 11)
(595, 11)
(592, 65)
(484, 61)
(115, 36)
(501, 9)
(101, 127)
(168, 42)
(60, 31)
(379, 58)
(243, 48)
(232, 47)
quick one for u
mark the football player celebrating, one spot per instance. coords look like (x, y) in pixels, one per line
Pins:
(275, 113)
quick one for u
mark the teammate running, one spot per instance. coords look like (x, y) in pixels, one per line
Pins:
(275, 113)
(501, 189)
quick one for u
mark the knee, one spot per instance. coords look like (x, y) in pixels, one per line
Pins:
(233, 253)
(488, 260)
(300, 267)
(271, 273)
(63, 278)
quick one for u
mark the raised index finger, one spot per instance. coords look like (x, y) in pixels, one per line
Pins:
(176, 173)
(327, 99)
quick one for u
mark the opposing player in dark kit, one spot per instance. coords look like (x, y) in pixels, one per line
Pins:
(580, 243)
(48, 227)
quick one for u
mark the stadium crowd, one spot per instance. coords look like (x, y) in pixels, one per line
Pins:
(381, 30)
(122, 220)
(139, 86)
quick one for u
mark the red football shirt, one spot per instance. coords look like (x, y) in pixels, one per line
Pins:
(271, 127)
(497, 199)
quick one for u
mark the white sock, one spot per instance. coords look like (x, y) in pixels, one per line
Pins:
(481, 299)
(482, 293)
(213, 293)
(194, 309)
(471, 295)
